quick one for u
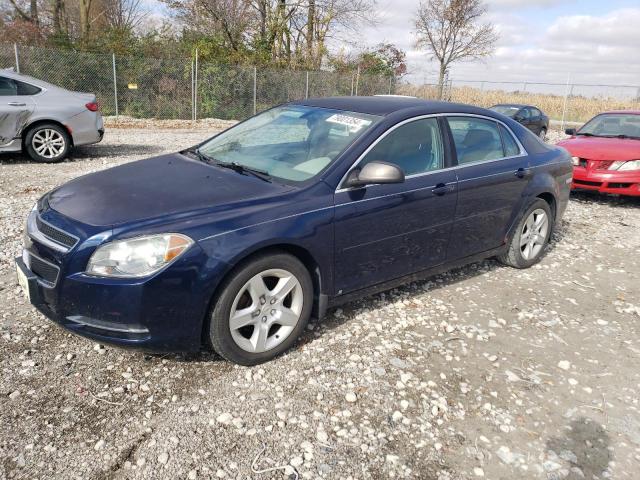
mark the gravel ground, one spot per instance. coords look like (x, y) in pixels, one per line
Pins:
(485, 371)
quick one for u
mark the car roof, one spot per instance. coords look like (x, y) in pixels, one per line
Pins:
(11, 73)
(627, 112)
(517, 105)
(386, 105)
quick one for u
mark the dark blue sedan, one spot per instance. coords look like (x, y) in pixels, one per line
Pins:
(236, 243)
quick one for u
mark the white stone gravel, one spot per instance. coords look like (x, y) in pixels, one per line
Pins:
(456, 377)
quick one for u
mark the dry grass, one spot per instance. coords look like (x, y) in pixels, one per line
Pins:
(579, 108)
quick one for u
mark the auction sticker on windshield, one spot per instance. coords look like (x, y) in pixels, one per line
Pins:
(354, 124)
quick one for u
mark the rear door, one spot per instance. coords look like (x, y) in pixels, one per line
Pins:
(383, 232)
(492, 174)
(15, 110)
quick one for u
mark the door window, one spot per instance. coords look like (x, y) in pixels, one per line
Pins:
(415, 147)
(8, 87)
(475, 139)
(27, 89)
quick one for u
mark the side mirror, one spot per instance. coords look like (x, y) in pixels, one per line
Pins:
(518, 118)
(570, 131)
(375, 173)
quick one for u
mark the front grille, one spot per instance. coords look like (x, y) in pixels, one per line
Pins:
(45, 270)
(586, 182)
(56, 235)
(619, 185)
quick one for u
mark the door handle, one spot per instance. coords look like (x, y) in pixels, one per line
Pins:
(522, 172)
(17, 104)
(440, 189)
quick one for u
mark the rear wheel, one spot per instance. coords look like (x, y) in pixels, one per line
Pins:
(531, 236)
(543, 134)
(47, 143)
(262, 309)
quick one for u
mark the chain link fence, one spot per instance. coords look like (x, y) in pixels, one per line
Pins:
(178, 88)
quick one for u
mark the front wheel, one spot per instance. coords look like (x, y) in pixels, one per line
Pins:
(262, 309)
(531, 236)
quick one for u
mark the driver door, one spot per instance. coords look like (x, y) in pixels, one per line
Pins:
(383, 232)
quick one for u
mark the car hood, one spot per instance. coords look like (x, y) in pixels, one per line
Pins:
(155, 187)
(599, 148)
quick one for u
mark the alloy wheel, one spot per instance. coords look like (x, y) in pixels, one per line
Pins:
(48, 143)
(266, 310)
(534, 234)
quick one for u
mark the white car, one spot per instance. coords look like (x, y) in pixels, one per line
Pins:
(43, 120)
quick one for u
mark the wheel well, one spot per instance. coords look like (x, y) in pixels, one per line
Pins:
(300, 253)
(42, 122)
(551, 200)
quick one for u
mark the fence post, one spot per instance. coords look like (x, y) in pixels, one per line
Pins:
(564, 106)
(193, 102)
(255, 90)
(353, 75)
(15, 51)
(390, 83)
(115, 83)
(357, 79)
(306, 91)
(195, 89)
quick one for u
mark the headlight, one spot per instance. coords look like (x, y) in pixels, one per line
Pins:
(575, 160)
(625, 166)
(137, 257)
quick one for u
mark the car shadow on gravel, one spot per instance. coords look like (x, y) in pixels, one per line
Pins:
(615, 201)
(584, 450)
(87, 153)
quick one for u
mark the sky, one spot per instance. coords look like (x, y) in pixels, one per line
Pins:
(587, 41)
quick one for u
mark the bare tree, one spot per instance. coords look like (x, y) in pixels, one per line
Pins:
(451, 31)
(124, 14)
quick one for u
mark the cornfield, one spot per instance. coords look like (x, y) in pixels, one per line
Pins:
(579, 108)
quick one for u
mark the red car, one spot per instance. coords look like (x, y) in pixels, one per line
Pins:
(606, 153)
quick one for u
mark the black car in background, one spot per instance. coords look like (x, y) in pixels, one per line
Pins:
(531, 117)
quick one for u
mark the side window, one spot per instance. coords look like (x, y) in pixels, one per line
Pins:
(475, 139)
(511, 148)
(415, 147)
(27, 89)
(525, 113)
(8, 87)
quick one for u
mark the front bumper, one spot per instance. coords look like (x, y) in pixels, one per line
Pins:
(604, 181)
(160, 313)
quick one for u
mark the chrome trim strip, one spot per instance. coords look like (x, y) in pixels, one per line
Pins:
(104, 325)
(523, 152)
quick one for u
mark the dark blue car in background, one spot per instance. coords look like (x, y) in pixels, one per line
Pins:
(236, 243)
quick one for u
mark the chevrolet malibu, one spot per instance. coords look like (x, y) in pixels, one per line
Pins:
(235, 243)
(606, 153)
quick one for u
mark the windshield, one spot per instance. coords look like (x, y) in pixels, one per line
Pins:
(612, 125)
(292, 142)
(507, 110)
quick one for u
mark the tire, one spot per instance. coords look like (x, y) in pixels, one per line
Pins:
(271, 322)
(523, 253)
(543, 134)
(48, 143)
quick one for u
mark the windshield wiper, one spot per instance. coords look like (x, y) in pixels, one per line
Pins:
(261, 174)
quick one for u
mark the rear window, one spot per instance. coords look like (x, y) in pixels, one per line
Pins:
(27, 89)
